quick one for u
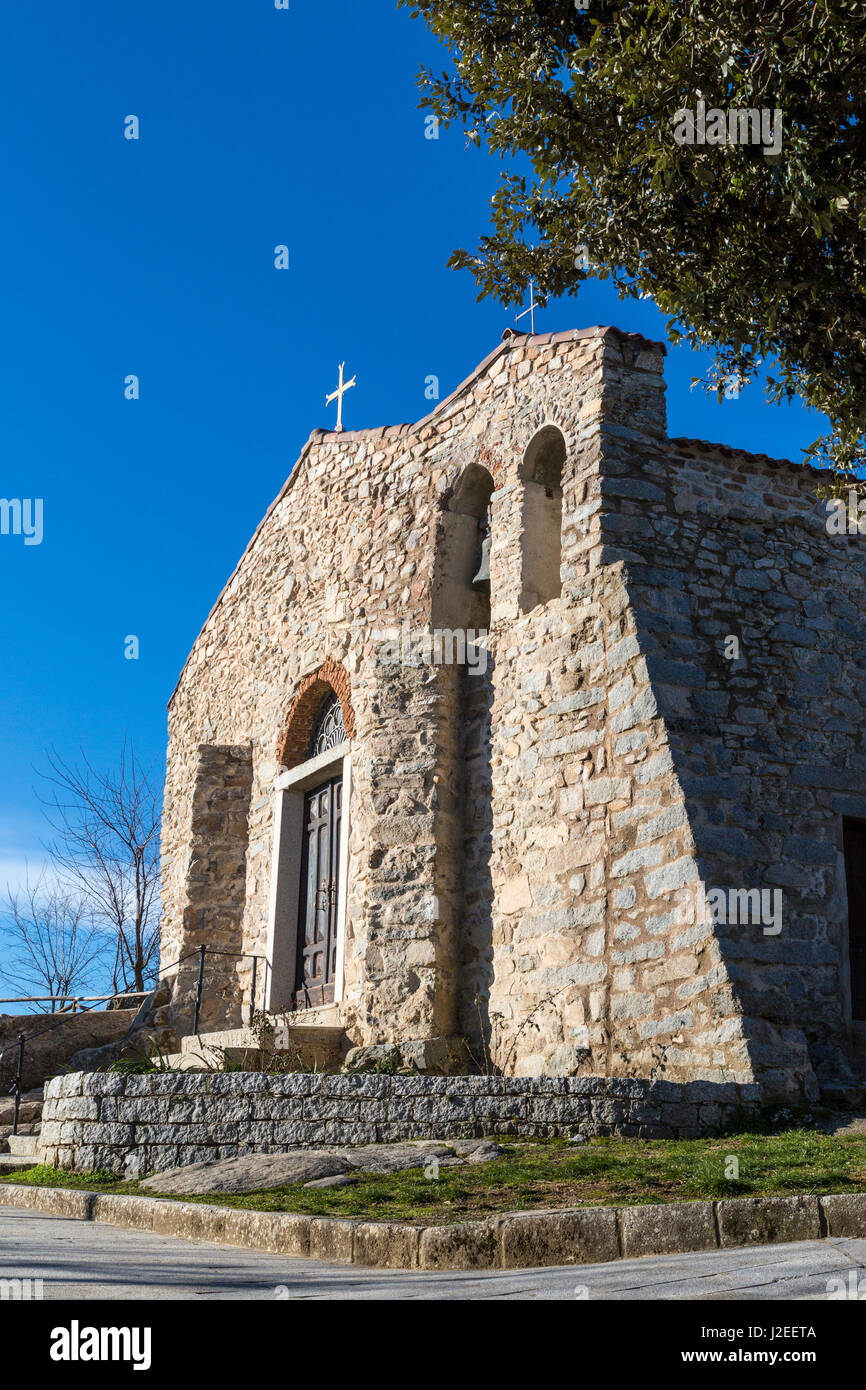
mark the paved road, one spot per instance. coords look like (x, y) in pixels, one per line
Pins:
(83, 1260)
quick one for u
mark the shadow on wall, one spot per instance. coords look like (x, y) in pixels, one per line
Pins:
(540, 582)
(476, 964)
(461, 596)
(461, 602)
(541, 520)
(767, 769)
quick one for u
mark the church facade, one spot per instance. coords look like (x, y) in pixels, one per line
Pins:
(530, 739)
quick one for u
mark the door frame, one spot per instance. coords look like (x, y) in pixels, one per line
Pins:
(285, 886)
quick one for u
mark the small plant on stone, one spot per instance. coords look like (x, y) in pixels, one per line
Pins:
(264, 1030)
(529, 1022)
(485, 1066)
(274, 1060)
(287, 1061)
(385, 1066)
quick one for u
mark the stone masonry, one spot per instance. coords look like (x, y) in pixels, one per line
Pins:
(532, 845)
(146, 1124)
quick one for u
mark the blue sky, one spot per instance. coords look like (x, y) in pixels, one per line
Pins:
(258, 127)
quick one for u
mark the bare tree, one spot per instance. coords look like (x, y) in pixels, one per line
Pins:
(55, 947)
(106, 846)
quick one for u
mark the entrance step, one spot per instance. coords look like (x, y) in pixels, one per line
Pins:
(183, 1061)
(12, 1163)
(309, 1046)
(228, 1037)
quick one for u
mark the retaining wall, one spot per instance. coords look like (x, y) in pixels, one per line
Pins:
(137, 1124)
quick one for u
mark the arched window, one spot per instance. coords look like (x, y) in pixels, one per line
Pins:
(328, 730)
(541, 538)
(315, 694)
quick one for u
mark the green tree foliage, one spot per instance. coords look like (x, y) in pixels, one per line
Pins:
(758, 256)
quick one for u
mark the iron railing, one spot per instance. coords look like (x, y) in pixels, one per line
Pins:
(24, 1038)
(74, 999)
(203, 952)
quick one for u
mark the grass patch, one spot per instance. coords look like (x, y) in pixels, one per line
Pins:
(42, 1176)
(551, 1173)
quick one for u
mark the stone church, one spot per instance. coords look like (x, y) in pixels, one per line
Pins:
(529, 738)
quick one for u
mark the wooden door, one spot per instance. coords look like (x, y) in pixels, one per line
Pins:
(855, 876)
(320, 874)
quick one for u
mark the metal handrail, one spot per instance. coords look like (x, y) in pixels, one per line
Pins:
(75, 998)
(121, 994)
(234, 955)
(23, 1039)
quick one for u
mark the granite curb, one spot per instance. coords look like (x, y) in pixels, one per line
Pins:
(514, 1240)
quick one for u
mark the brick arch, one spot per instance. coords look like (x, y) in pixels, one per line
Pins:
(294, 743)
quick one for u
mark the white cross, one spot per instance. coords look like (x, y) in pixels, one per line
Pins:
(532, 308)
(338, 397)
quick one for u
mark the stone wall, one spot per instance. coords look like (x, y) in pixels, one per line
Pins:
(214, 900)
(69, 1033)
(674, 770)
(350, 550)
(767, 748)
(593, 968)
(138, 1124)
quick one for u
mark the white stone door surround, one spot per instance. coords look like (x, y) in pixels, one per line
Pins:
(285, 889)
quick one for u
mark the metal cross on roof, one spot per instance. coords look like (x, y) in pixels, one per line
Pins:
(533, 305)
(338, 397)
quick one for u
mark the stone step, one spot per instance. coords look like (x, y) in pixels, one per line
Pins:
(14, 1163)
(185, 1061)
(247, 1037)
(228, 1037)
(30, 1111)
(314, 1045)
(22, 1145)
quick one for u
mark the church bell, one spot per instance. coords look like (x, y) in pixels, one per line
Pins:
(481, 582)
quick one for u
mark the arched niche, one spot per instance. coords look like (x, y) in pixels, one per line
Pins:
(541, 531)
(465, 524)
